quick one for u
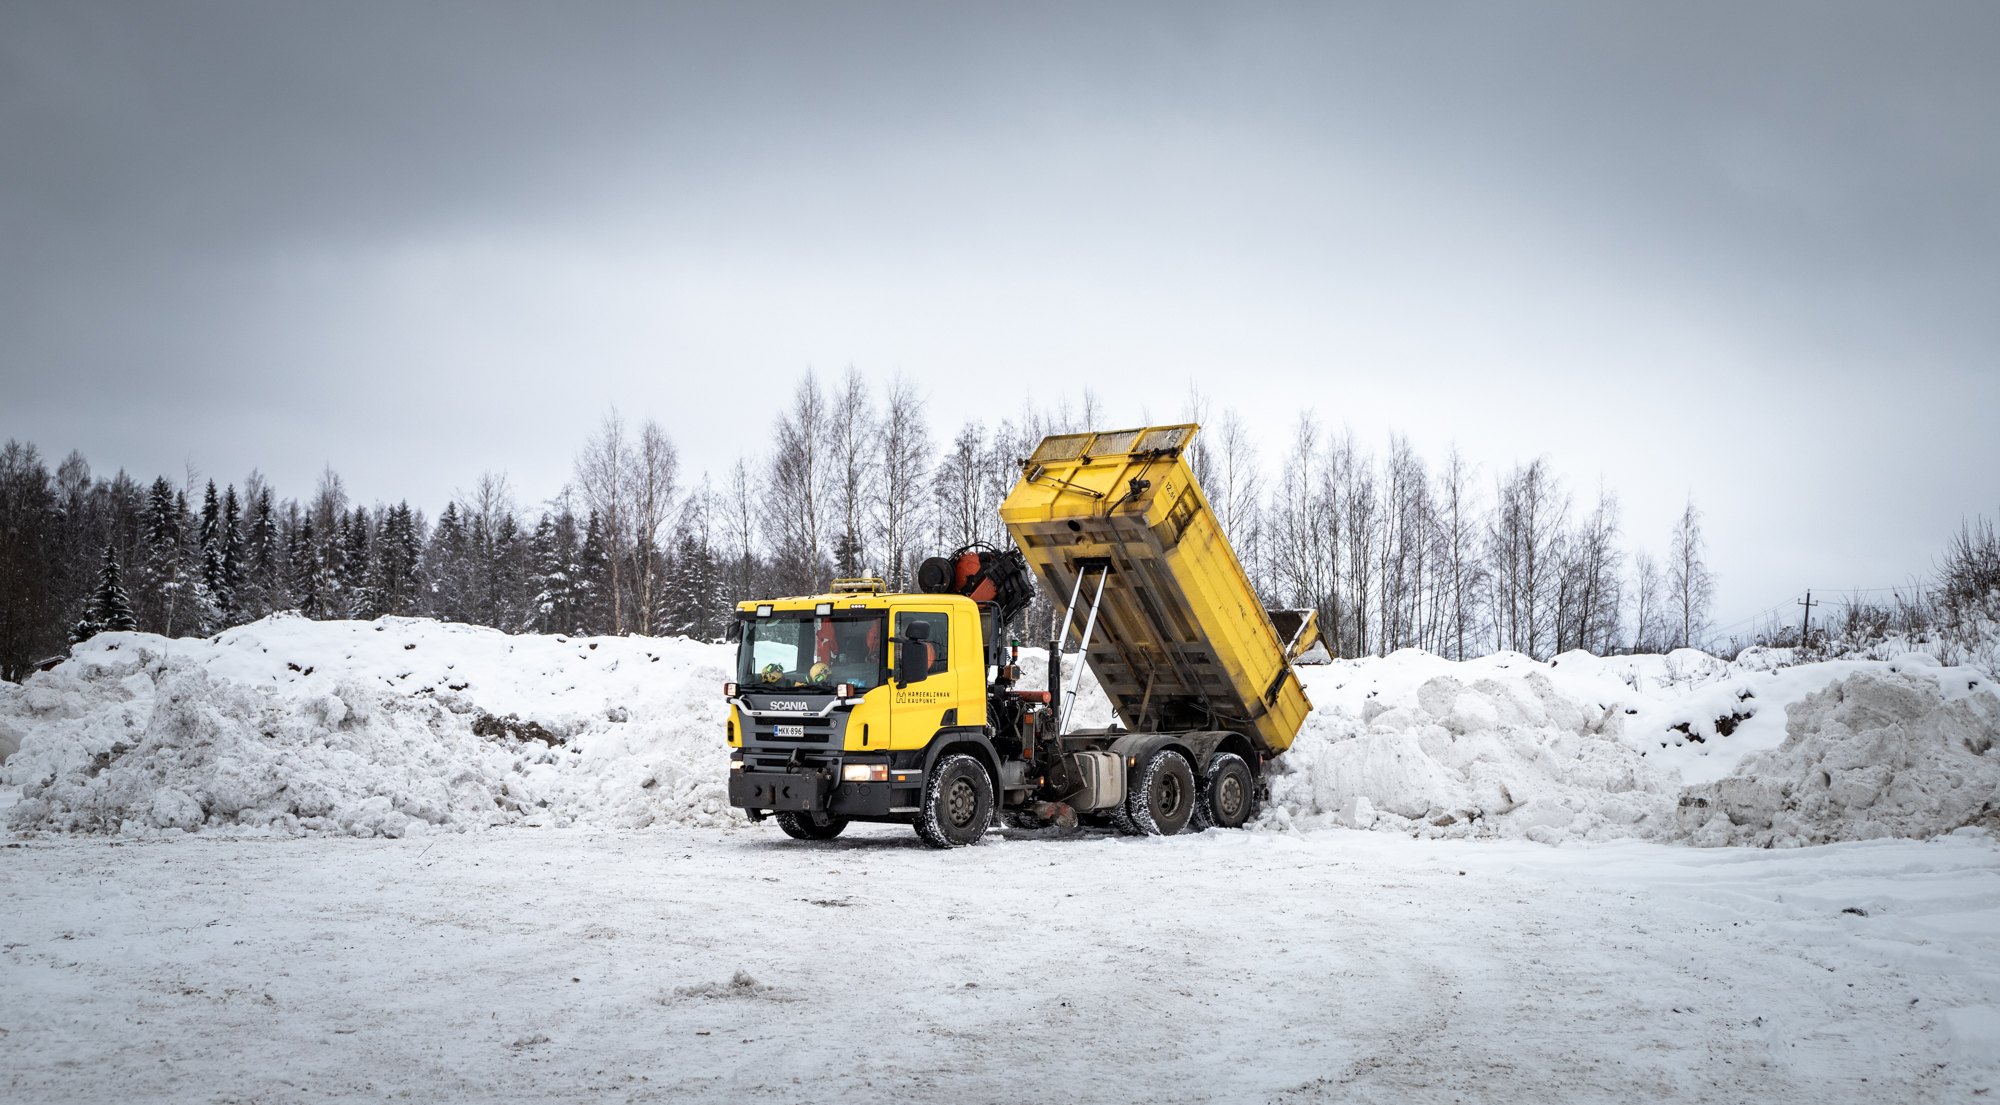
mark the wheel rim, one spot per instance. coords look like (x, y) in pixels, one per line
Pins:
(1170, 795)
(1229, 797)
(961, 802)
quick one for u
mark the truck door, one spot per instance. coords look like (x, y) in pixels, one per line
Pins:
(920, 708)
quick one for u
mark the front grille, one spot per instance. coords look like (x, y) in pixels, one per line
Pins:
(806, 763)
(814, 730)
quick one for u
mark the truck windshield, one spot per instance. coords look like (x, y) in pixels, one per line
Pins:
(801, 651)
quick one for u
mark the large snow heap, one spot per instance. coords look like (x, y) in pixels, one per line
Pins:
(369, 728)
(402, 725)
(1678, 747)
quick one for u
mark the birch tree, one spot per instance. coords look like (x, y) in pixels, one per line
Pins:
(903, 464)
(600, 479)
(650, 476)
(852, 428)
(795, 491)
(1690, 585)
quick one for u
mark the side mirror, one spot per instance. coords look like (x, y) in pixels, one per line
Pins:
(913, 654)
(734, 633)
(913, 662)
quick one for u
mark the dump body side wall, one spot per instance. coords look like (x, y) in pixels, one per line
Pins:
(1182, 641)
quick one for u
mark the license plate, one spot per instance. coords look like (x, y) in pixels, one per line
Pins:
(789, 731)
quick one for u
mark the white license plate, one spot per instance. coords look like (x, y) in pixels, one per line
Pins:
(789, 730)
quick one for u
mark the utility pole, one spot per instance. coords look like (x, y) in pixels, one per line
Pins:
(1805, 626)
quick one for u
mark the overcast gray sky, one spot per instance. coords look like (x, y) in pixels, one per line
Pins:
(1748, 252)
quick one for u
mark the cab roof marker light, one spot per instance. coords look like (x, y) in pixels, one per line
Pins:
(764, 610)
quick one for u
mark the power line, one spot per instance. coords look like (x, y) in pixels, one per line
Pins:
(1788, 601)
(1793, 600)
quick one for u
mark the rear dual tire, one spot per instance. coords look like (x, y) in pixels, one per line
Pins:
(1228, 793)
(1163, 802)
(1166, 798)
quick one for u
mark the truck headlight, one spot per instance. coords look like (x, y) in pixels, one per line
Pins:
(864, 773)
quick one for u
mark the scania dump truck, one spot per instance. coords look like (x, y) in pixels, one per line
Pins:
(865, 705)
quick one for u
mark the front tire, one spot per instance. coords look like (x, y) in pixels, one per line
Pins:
(811, 826)
(1163, 802)
(958, 802)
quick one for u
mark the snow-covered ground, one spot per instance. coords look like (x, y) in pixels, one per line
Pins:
(328, 861)
(677, 964)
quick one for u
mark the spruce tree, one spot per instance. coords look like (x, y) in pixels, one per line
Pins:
(357, 599)
(506, 577)
(694, 590)
(590, 581)
(218, 596)
(110, 607)
(161, 590)
(266, 579)
(305, 581)
(393, 573)
(232, 557)
(549, 579)
(445, 567)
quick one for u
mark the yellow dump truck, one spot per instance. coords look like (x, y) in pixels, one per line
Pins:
(863, 705)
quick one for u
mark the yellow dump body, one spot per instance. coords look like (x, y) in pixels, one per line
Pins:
(1181, 641)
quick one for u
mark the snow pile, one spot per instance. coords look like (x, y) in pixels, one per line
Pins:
(1681, 747)
(402, 725)
(1493, 747)
(1876, 754)
(368, 728)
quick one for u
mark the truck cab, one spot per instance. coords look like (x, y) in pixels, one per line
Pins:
(844, 703)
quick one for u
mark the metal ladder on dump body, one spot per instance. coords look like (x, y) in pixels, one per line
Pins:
(1060, 643)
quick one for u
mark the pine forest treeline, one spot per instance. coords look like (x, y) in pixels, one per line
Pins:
(1393, 549)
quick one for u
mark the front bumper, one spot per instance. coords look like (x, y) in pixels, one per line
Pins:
(779, 791)
(817, 790)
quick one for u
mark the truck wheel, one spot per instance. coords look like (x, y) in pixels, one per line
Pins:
(1163, 802)
(811, 826)
(1228, 794)
(958, 802)
(1121, 821)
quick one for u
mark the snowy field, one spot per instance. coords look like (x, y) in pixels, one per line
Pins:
(691, 965)
(332, 861)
